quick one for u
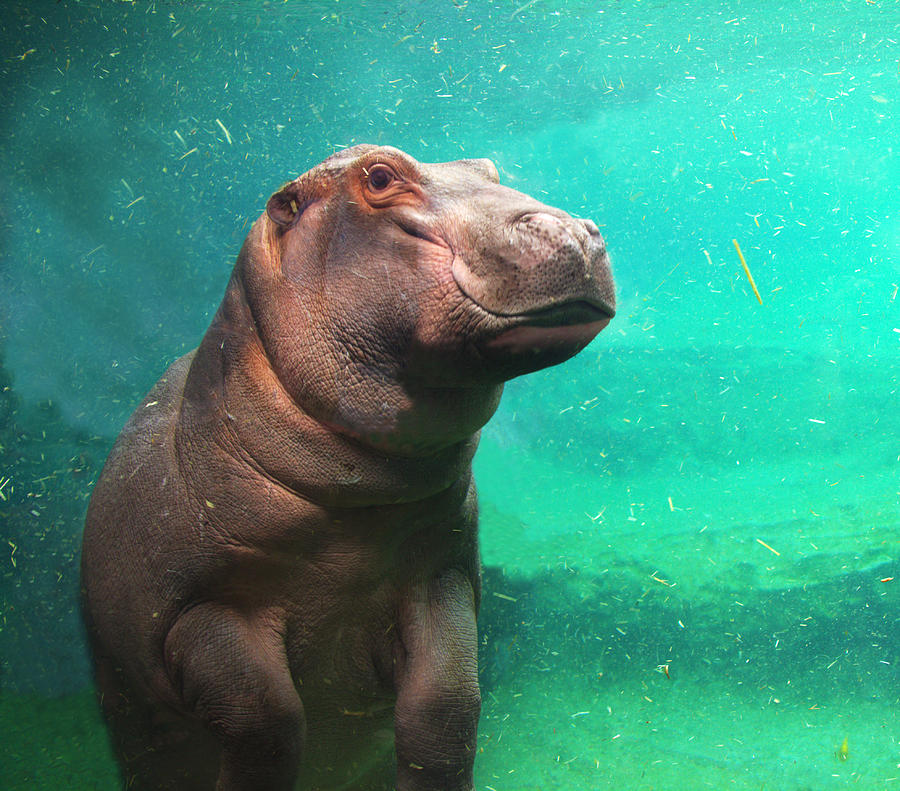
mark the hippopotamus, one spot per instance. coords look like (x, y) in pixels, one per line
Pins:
(280, 567)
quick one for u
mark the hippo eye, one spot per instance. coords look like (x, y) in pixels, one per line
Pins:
(380, 178)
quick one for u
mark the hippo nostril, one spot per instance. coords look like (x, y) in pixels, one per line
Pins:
(592, 229)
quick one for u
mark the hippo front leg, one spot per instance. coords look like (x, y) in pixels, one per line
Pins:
(231, 672)
(436, 675)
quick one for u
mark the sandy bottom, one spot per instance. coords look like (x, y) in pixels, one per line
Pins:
(549, 733)
(571, 730)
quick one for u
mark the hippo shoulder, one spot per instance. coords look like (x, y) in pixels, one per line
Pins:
(152, 421)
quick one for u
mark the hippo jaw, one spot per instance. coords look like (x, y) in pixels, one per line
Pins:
(566, 329)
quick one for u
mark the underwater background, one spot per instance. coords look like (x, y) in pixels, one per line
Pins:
(690, 531)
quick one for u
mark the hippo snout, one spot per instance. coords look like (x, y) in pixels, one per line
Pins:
(543, 260)
(563, 242)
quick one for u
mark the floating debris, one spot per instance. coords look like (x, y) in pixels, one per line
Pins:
(843, 752)
(520, 9)
(227, 134)
(746, 270)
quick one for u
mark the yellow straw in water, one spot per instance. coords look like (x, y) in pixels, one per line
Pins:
(747, 270)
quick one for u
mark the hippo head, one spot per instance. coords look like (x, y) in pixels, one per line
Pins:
(414, 276)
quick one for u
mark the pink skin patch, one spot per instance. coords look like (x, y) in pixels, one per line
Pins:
(525, 338)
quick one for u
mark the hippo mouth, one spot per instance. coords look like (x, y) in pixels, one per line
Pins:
(567, 324)
(566, 314)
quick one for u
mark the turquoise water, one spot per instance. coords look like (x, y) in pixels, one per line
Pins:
(691, 530)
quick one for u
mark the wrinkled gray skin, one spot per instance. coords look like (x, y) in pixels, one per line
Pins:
(280, 566)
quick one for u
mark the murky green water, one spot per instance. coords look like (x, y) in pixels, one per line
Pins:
(691, 531)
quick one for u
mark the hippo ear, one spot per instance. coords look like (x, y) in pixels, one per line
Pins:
(286, 205)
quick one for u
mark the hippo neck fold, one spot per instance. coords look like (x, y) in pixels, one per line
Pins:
(235, 401)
